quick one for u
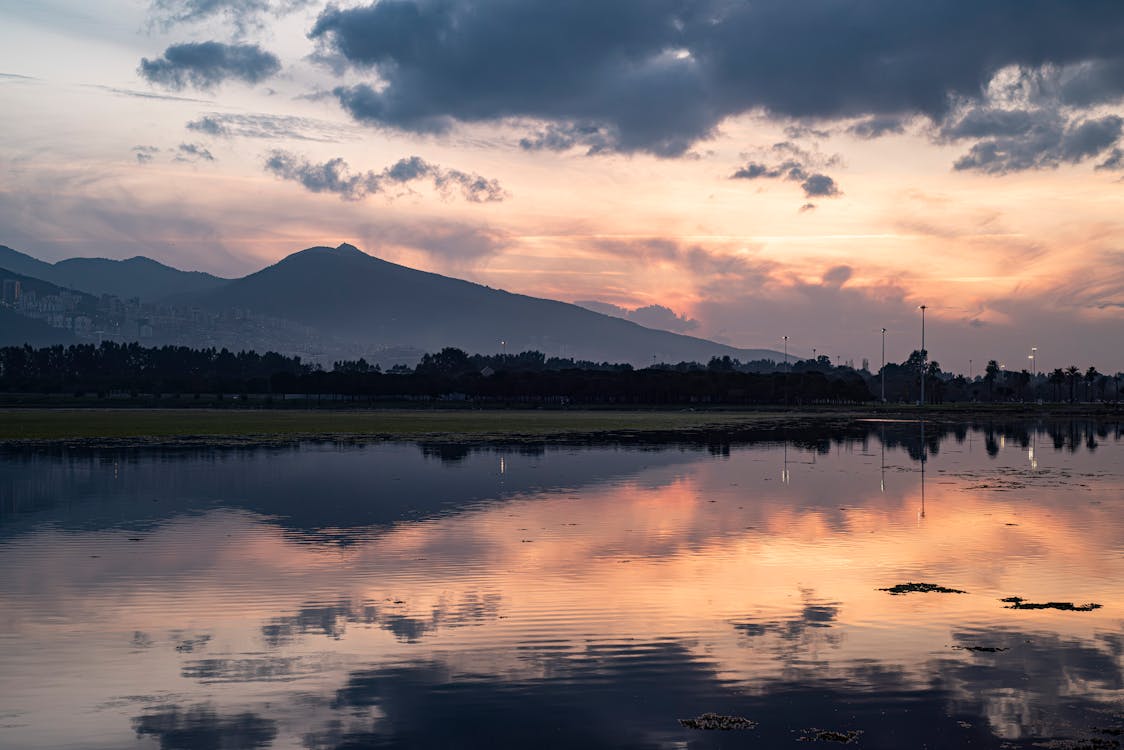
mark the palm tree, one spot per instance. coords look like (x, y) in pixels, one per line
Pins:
(1072, 373)
(991, 374)
(1090, 377)
(1057, 377)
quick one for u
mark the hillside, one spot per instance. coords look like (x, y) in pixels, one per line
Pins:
(351, 295)
(136, 277)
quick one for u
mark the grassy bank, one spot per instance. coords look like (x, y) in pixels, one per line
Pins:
(153, 424)
(62, 424)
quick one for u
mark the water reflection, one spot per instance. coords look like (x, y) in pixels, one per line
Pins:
(329, 596)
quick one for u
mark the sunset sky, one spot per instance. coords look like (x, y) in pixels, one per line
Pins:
(760, 168)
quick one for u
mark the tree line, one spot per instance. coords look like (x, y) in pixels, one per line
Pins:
(450, 374)
(530, 377)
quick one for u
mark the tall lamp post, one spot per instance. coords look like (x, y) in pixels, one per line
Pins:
(1033, 361)
(786, 353)
(924, 355)
(883, 378)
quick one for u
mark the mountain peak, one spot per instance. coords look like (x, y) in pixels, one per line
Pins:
(351, 249)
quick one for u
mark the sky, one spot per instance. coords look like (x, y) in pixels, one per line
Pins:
(741, 170)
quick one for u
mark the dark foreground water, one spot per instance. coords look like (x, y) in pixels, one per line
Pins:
(327, 596)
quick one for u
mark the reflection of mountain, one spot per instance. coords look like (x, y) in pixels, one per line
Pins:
(367, 480)
(368, 485)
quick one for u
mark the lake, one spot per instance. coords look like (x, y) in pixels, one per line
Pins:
(323, 595)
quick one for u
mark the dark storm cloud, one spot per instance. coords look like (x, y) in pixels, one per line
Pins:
(334, 176)
(193, 152)
(659, 75)
(1041, 143)
(229, 125)
(205, 65)
(243, 14)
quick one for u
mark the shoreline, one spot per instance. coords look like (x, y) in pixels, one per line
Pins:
(199, 426)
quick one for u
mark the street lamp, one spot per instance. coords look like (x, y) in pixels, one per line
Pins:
(786, 353)
(924, 354)
(883, 365)
(1033, 361)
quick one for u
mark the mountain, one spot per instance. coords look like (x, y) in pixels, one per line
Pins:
(29, 283)
(350, 295)
(136, 277)
(22, 263)
(17, 329)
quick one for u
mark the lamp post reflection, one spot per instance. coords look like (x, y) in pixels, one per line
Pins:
(882, 482)
(924, 458)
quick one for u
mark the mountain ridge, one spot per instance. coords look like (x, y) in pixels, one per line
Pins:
(359, 303)
(139, 276)
(380, 303)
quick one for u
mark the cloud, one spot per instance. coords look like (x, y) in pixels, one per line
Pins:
(806, 131)
(1115, 160)
(1030, 119)
(876, 127)
(143, 94)
(280, 127)
(820, 186)
(565, 136)
(1040, 142)
(193, 152)
(650, 316)
(205, 65)
(807, 207)
(455, 243)
(145, 154)
(658, 316)
(334, 176)
(243, 14)
(660, 75)
(795, 168)
(837, 276)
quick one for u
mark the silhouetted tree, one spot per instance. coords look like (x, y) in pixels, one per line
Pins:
(1072, 373)
(1091, 376)
(991, 377)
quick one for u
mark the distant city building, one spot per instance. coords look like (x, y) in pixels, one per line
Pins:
(11, 293)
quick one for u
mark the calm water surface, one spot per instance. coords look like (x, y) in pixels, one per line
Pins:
(330, 596)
